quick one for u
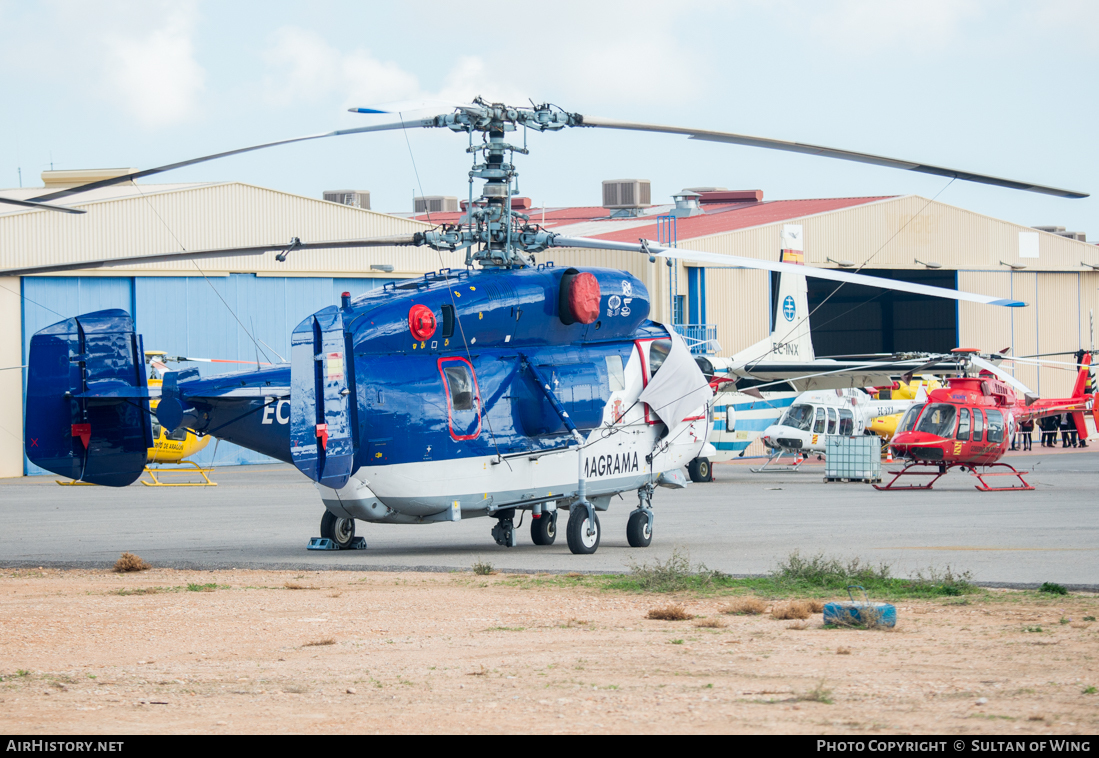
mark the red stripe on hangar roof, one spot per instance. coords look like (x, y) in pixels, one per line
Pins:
(740, 216)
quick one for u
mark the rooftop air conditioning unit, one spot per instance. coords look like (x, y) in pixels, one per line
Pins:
(435, 204)
(626, 193)
(354, 198)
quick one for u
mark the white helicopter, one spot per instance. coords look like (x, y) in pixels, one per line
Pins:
(756, 386)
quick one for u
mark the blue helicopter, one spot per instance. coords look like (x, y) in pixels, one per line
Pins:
(506, 386)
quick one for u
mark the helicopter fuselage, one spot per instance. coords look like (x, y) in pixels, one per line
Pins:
(456, 424)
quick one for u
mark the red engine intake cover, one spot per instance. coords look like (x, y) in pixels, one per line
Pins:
(584, 298)
(421, 322)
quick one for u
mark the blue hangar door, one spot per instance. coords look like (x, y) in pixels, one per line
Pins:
(857, 320)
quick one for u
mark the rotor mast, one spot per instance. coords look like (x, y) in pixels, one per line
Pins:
(491, 232)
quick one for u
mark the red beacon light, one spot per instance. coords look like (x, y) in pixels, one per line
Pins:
(421, 322)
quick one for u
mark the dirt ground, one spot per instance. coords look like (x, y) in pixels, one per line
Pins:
(336, 652)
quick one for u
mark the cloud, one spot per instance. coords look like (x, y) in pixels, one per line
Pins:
(153, 72)
(304, 68)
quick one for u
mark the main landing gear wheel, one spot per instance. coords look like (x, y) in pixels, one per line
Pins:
(543, 531)
(638, 531)
(580, 542)
(699, 470)
(339, 530)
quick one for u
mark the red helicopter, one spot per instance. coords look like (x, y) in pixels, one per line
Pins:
(969, 423)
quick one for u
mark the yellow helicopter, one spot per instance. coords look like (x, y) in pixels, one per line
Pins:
(886, 426)
(171, 448)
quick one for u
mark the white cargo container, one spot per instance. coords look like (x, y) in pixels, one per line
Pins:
(852, 459)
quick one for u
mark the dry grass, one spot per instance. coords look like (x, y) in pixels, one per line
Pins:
(843, 651)
(749, 605)
(482, 672)
(672, 612)
(337, 593)
(129, 562)
(815, 606)
(799, 625)
(711, 623)
(296, 586)
(794, 610)
(321, 643)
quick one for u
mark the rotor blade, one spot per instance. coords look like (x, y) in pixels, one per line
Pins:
(1003, 375)
(791, 268)
(184, 359)
(402, 124)
(40, 206)
(186, 255)
(829, 152)
(907, 376)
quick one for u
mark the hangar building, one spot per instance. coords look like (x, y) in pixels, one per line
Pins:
(244, 308)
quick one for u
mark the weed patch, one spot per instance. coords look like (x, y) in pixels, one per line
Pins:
(750, 605)
(818, 694)
(795, 610)
(483, 568)
(711, 624)
(138, 591)
(671, 612)
(201, 587)
(1053, 588)
(297, 586)
(128, 562)
(672, 575)
(321, 643)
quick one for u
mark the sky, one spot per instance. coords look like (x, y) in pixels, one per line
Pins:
(1003, 88)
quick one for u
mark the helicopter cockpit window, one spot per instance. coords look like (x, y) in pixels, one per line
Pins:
(156, 430)
(909, 420)
(461, 387)
(818, 422)
(963, 425)
(938, 419)
(179, 435)
(831, 420)
(616, 377)
(798, 417)
(978, 425)
(847, 422)
(995, 426)
(658, 351)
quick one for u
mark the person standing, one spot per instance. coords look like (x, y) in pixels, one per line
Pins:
(1025, 430)
(1066, 424)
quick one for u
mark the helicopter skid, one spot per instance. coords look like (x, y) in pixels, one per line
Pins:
(1012, 471)
(938, 472)
(774, 464)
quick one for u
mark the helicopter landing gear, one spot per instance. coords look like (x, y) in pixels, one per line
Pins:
(340, 530)
(583, 529)
(699, 470)
(504, 531)
(543, 530)
(639, 529)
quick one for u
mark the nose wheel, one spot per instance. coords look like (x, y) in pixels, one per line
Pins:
(582, 533)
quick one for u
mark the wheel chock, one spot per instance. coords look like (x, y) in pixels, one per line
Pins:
(323, 543)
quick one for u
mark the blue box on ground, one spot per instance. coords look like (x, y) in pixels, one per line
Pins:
(860, 612)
